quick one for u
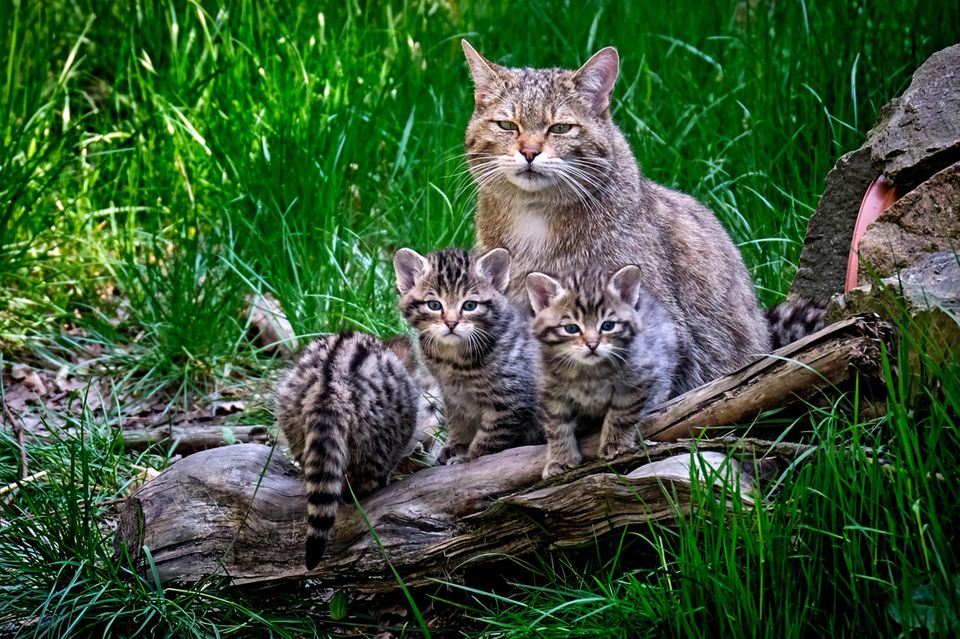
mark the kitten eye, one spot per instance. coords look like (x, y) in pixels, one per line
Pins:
(434, 305)
(507, 125)
(608, 326)
(571, 329)
(469, 305)
(560, 129)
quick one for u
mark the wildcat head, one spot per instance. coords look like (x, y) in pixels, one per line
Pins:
(584, 319)
(537, 129)
(452, 298)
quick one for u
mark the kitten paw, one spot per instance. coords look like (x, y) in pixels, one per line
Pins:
(555, 468)
(452, 454)
(614, 449)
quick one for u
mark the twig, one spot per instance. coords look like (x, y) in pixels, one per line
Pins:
(9, 488)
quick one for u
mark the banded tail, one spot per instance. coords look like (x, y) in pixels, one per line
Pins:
(347, 408)
(793, 319)
(325, 458)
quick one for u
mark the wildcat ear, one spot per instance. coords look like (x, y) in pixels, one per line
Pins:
(542, 289)
(495, 266)
(597, 77)
(625, 284)
(409, 267)
(484, 72)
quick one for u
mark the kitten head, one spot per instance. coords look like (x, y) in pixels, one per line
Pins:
(452, 298)
(536, 129)
(583, 319)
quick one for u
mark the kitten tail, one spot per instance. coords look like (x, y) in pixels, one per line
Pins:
(793, 319)
(324, 465)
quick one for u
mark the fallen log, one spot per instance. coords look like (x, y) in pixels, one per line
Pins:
(191, 437)
(238, 511)
(819, 366)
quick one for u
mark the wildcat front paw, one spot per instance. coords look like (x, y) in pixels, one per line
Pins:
(610, 450)
(555, 467)
(452, 454)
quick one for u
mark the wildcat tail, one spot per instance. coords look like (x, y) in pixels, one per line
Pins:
(793, 319)
(324, 464)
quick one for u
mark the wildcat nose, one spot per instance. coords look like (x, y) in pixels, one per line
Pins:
(529, 153)
(451, 324)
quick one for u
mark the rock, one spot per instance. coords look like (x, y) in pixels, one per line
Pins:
(917, 136)
(933, 283)
(823, 262)
(929, 292)
(923, 222)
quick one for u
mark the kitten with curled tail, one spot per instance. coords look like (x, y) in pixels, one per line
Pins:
(477, 345)
(347, 408)
(560, 188)
(608, 356)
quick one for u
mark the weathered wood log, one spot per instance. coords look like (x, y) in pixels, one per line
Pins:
(798, 373)
(191, 437)
(238, 511)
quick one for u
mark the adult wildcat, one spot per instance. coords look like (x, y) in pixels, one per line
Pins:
(560, 189)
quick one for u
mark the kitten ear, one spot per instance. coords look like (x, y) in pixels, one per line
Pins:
(597, 77)
(625, 284)
(484, 72)
(542, 289)
(409, 267)
(495, 266)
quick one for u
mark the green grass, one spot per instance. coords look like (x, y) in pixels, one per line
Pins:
(860, 540)
(160, 162)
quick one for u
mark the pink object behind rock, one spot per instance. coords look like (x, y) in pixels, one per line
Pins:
(880, 195)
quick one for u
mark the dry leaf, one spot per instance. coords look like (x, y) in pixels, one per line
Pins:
(144, 474)
(65, 383)
(29, 378)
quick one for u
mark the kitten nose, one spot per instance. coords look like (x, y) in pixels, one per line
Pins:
(451, 324)
(529, 153)
(592, 345)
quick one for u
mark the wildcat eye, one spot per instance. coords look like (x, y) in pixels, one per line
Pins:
(560, 129)
(608, 326)
(434, 305)
(469, 305)
(571, 329)
(507, 125)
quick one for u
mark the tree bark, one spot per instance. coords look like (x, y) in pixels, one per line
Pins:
(238, 511)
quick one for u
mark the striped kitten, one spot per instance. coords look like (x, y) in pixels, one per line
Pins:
(348, 408)
(609, 354)
(477, 344)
